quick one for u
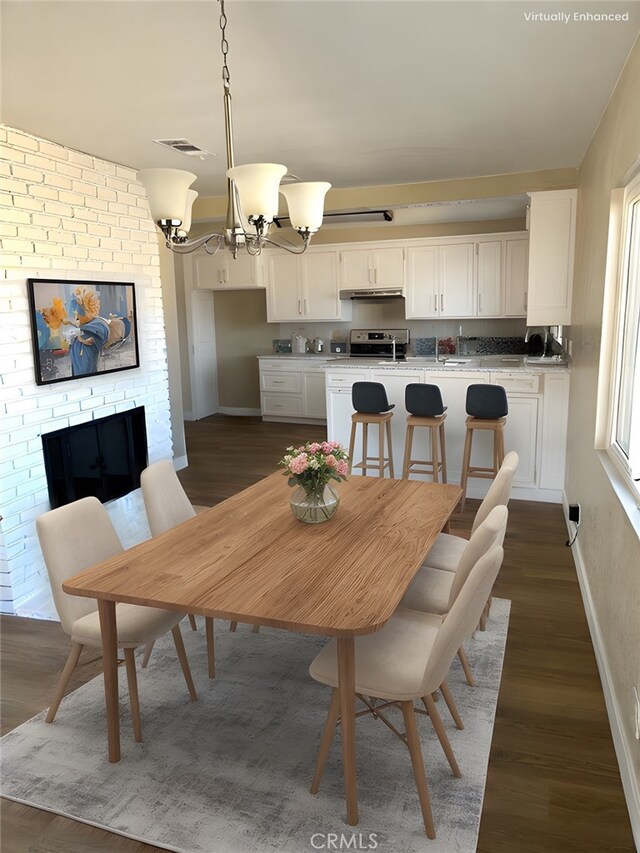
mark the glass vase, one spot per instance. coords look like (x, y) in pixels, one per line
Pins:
(314, 506)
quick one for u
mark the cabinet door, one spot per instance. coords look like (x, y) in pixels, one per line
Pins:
(521, 435)
(388, 267)
(552, 225)
(242, 272)
(208, 270)
(515, 280)
(489, 256)
(356, 271)
(284, 300)
(314, 394)
(456, 280)
(339, 411)
(320, 300)
(422, 282)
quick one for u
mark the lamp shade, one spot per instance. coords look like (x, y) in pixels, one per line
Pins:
(167, 192)
(192, 195)
(258, 185)
(306, 203)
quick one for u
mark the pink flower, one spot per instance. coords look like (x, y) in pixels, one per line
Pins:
(342, 468)
(331, 461)
(334, 444)
(301, 448)
(315, 447)
(299, 464)
(326, 447)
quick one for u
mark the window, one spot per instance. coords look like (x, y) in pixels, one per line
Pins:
(624, 429)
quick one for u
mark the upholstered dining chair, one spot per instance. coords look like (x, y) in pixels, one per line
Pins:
(167, 505)
(435, 590)
(73, 538)
(406, 661)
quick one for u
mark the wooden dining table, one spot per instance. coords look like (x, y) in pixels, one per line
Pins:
(248, 559)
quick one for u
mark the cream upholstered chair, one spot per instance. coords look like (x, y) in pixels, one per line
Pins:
(167, 505)
(73, 538)
(435, 590)
(405, 661)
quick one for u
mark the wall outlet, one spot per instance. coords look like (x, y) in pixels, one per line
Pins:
(574, 513)
(637, 711)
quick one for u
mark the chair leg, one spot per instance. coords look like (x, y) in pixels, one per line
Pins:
(365, 447)
(352, 444)
(462, 656)
(184, 663)
(132, 681)
(211, 649)
(408, 443)
(70, 665)
(434, 452)
(500, 446)
(381, 450)
(443, 453)
(438, 725)
(415, 750)
(391, 474)
(147, 653)
(255, 629)
(327, 737)
(233, 626)
(451, 705)
(192, 622)
(482, 624)
(466, 458)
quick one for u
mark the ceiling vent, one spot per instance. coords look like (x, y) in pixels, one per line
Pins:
(184, 147)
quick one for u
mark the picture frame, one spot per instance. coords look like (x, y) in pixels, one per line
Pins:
(82, 328)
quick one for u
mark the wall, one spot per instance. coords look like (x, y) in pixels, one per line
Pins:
(172, 333)
(608, 546)
(65, 214)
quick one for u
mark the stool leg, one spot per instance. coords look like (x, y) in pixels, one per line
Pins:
(391, 474)
(352, 443)
(501, 446)
(496, 441)
(465, 465)
(408, 444)
(443, 454)
(380, 450)
(365, 447)
(434, 452)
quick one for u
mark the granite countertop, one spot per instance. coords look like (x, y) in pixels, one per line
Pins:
(493, 363)
(306, 355)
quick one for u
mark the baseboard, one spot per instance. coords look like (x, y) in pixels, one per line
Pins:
(623, 752)
(180, 462)
(187, 416)
(238, 411)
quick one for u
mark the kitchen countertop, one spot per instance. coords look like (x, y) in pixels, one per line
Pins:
(306, 355)
(494, 363)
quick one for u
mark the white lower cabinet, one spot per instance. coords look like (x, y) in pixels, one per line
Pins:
(292, 389)
(521, 435)
(314, 394)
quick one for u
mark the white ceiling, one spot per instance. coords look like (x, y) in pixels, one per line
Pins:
(358, 93)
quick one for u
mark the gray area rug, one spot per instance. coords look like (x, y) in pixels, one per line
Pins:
(230, 773)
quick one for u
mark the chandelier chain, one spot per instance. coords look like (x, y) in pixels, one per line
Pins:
(224, 46)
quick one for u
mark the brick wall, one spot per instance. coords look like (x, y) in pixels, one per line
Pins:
(65, 214)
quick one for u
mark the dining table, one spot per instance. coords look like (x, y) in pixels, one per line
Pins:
(248, 559)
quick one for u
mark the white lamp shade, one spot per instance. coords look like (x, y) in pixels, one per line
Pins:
(258, 185)
(192, 195)
(306, 203)
(166, 191)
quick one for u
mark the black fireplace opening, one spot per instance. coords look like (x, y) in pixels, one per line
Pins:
(102, 458)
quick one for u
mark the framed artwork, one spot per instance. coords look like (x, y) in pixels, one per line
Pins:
(82, 328)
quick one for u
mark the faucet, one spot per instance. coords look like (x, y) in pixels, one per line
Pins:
(393, 347)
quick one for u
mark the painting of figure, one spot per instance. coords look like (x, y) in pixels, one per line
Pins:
(82, 328)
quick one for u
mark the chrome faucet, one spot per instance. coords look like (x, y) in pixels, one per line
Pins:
(393, 347)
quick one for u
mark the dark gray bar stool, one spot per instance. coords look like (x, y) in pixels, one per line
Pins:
(424, 404)
(487, 408)
(369, 399)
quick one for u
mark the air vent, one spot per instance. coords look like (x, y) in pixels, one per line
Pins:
(184, 147)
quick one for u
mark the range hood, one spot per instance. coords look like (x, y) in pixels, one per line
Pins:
(374, 293)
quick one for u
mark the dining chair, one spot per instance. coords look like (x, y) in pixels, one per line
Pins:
(73, 538)
(167, 505)
(407, 661)
(435, 590)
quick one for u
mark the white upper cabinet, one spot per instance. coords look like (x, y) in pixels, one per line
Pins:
(284, 292)
(456, 280)
(423, 282)
(364, 268)
(304, 287)
(489, 274)
(515, 291)
(320, 299)
(552, 227)
(222, 272)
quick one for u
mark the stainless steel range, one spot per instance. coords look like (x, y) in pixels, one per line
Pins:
(379, 343)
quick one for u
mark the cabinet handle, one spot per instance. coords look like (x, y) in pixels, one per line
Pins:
(375, 275)
(305, 306)
(480, 303)
(526, 299)
(441, 302)
(299, 306)
(435, 304)
(277, 381)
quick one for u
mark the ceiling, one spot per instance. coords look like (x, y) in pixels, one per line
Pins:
(359, 93)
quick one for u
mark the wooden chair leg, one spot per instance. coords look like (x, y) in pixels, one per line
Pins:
(327, 737)
(408, 443)
(132, 681)
(365, 447)
(352, 444)
(466, 458)
(147, 653)
(451, 705)
(462, 657)
(381, 450)
(255, 629)
(443, 453)
(192, 622)
(233, 626)
(500, 446)
(434, 452)
(70, 665)
(184, 663)
(417, 761)
(391, 474)
(438, 725)
(211, 649)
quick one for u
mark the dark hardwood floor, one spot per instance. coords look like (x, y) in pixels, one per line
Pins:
(553, 782)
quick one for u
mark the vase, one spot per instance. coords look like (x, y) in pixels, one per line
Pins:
(315, 506)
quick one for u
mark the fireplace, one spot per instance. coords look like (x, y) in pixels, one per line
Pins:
(102, 458)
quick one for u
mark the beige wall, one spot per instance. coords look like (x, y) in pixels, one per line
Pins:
(609, 546)
(169, 302)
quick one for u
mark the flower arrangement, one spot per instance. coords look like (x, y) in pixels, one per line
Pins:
(313, 464)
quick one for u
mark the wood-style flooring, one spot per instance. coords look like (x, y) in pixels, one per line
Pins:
(553, 783)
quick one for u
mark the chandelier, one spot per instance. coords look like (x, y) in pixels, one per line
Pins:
(252, 196)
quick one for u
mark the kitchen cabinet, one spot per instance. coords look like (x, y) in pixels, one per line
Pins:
(423, 282)
(552, 227)
(222, 272)
(304, 287)
(314, 392)
(516, 262)
(456, 280)
(489, 277)
(363, 268)
(293, 389)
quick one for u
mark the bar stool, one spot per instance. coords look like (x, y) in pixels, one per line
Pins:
(424, 404)
(369, 399)
(487, 408)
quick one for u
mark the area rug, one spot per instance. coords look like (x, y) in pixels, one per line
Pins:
(230, 773)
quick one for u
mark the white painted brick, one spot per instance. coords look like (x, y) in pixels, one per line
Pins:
(21, 140)
(93, 177)
(46, 220)
(97, 204)
(5, 168)
(40, 261)
(14, 244)
(85, 213)
(68, 170)
(38, 161)
(44, 192)
(72, 198)
(112, 267)
(125, 172)
(66, 409)
(108, 219)
(15, 215)
(55, 151)
(13, 185)
(8, 230)
(29, 232)
(84, 188)
(74, 225)
(27, 173)
(60, 237)
(61, 182)
(99, 230)
(130, 222)
(75, 252)
(59, 208)
(81, 159)
(110, 243)
(103, 411)
(118, 184)
(12, 154)
(116, 207)
(87, 240)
